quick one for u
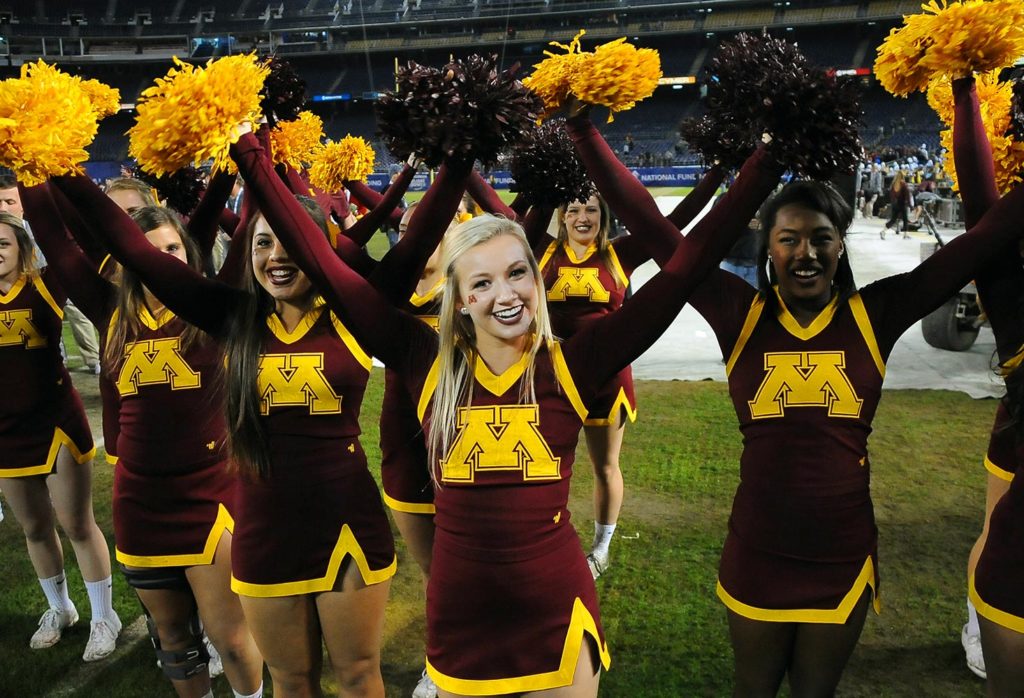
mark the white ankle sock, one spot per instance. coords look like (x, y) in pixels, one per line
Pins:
(100, 598)
(602, 538)
(257, 694)
(56, 590)
(972, 619)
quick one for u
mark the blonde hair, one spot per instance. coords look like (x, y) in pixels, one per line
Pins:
(457, 353)
(28, 262)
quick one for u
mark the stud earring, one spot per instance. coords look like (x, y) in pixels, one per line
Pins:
(464, 310)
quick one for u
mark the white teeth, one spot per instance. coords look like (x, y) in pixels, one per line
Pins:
(807, 273)
(508, 314)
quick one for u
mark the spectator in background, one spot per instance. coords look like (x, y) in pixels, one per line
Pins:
(872, 189)
(899, 200)
(388, 229)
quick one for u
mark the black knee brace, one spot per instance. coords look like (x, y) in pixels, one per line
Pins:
(156, 578)
(183, 664)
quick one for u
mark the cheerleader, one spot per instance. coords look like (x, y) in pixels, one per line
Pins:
(172, 495)
(511, 605)
(994, 578)
(47, 465)
(312, 552)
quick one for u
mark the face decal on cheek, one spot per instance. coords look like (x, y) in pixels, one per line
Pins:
(471, 299)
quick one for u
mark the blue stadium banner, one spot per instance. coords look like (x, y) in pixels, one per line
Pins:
(679, 176)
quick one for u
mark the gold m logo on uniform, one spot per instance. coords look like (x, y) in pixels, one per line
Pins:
(290, 380)
(500, 437)
(805, 379)
(16, 328)
(578, 282)
(155, 362)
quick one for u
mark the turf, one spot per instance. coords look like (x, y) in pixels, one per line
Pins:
(666, 630)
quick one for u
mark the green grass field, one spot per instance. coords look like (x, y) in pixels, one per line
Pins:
(666, 629)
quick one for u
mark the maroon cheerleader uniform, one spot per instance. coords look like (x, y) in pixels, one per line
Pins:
(802, 540)
(511, 598)
(404, 472)
(318, 505)
(995, 586)
(40, 410)
(172, 496)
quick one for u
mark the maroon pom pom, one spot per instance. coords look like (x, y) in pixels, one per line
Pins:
(284, 92)
(466, 110)
(547, 170)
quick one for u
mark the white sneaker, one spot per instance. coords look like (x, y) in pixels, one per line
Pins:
(215, 665)
(425, 687)
(598, 564)
(102, 638)
(972, 648)
(51, 625)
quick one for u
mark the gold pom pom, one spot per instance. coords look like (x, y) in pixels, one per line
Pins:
(349, 159)
(47, 118)
(994, 98)
(296, 143)
(617, 75)
(191, 114)
(552, 76)
(955, 39)
(105, 99)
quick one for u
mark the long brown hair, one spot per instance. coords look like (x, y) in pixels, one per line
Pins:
(603, 238)
(131, 297)
(246, 339)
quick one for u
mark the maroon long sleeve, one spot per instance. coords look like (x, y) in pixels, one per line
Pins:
(380, 207)
(398, 272)
(385, 331)
(609, 343)
(626, 196)
(93, 248)
(1000, 284)
(203, 302)
(485, 196)
(77, 274)
(694, 202)
(535, 225)
(204, 222)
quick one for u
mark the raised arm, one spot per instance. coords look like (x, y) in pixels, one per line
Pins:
(899, 301)
(95, 251)
(488, 199)
(381, 208)
(695, 202)
(626, 196)
(205, 220)
(380, 327)
(75, 272)
(1001, 283)
(536, 223)
(609, 343)
(398, 272)
(205, 303)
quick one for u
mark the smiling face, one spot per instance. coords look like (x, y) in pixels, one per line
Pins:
(805, 249)
(583, 221)
(274, 270)
(496, 284)
(10, 256)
